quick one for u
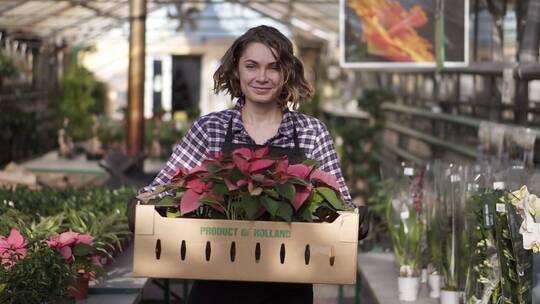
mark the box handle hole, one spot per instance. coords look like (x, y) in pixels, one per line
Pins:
(233, 251)
(332, 255)
(282, 253)
(257, 252)
(158, 249)
(208, 250)
(307, 254)
(183, 250)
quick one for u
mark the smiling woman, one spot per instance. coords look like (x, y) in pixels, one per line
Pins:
(261, 72)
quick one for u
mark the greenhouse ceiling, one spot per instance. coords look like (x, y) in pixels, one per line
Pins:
(84, 21)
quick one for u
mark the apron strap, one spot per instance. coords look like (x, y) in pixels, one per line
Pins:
(226, 147)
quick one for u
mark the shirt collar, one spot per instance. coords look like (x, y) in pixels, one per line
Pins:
(285, 128)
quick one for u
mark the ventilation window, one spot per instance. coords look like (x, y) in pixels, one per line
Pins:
(282, 253)
(208, 251)
(257, 252)
(332, 255)
(233, 251)
(158, 249)
(307, 254)
(183, 250)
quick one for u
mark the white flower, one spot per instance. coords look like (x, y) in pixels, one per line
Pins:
(533, 205)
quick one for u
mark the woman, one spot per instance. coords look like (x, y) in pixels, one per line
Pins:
(262, 73)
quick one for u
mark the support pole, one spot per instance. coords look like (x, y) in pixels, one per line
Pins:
(135, 115)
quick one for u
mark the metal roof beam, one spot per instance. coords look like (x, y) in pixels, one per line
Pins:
(81, 21)
(12, 6)
(98, 11)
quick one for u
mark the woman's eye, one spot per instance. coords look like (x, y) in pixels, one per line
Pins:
(249, 67)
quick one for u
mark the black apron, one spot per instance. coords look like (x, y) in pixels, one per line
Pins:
(237, 292)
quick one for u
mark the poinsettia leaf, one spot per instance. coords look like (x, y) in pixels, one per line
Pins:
(311, 162)
(214, 167)
(262, 152)
(299, 170)
(271, 192)
(285, 211)
(250, 204)
(270, 204)
(257, 177)
(256, 191)
(236, 175)
(315, 201)
(301, 195)
(261, 164)
(208, 200)
(297, 181)
(331, 197)
(220, 189)
(286, 190)
(304, 213)
(167, 201)
(179, 194)
(81, 250)
(325, 179)
(189, 202)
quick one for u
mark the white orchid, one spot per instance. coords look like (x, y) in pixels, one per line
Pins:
(528, 205)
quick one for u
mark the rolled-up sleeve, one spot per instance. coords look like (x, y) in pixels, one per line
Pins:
(190, 152)
(325, 154)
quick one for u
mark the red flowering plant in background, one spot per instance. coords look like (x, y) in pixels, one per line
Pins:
(249, 185)
(12, 248)
(78, 250)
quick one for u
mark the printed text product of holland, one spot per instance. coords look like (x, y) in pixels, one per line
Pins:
(229, 231)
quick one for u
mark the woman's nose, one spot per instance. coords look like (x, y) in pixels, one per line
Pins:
(262, 75)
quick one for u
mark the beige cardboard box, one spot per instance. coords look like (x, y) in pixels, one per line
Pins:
(190, 248)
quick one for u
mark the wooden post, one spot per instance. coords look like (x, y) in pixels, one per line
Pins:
(137, 41)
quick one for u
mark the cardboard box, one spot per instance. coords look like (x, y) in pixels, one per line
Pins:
(263, 251)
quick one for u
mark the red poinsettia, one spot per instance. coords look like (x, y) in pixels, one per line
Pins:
(248, 184)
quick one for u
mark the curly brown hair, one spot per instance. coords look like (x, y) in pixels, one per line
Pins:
(295, 87)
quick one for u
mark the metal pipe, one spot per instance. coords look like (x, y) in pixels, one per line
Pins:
(135, 115)
(464, 150)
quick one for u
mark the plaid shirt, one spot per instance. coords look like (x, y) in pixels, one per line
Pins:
(207, 134)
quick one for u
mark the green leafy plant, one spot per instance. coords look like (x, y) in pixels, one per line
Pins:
(406, 229)
(248, 185)
(76, 100)
(7, 66)
(454, 238)
(483, 273)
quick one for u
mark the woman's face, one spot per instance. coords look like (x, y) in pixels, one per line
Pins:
(260, 77)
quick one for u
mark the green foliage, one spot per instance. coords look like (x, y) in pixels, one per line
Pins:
(406, 234)
(77, 101)
(42, 277)
(515, 286)
(483, 273)
(7, 66)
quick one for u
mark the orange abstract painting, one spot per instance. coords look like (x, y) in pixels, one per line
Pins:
(390, 31)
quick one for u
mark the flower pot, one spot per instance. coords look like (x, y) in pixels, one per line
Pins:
(434, 283)
(79, 287)
(451, 297)
(408, 288)
(424, 276)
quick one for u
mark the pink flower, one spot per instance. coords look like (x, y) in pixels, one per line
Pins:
(12, 248)
(66, 240)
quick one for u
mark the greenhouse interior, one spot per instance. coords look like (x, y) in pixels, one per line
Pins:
(270, 151)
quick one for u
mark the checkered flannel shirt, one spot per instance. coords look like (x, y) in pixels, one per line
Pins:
(207, 134)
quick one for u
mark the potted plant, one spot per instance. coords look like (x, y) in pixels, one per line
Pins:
(406, 228)
(81, 255)
(454, 235)
(433, 237)
(31, 271)
(254, 210)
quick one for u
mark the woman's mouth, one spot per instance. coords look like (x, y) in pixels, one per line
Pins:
(261, 90)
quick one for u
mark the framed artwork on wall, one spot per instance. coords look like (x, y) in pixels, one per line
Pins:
(404, 33)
